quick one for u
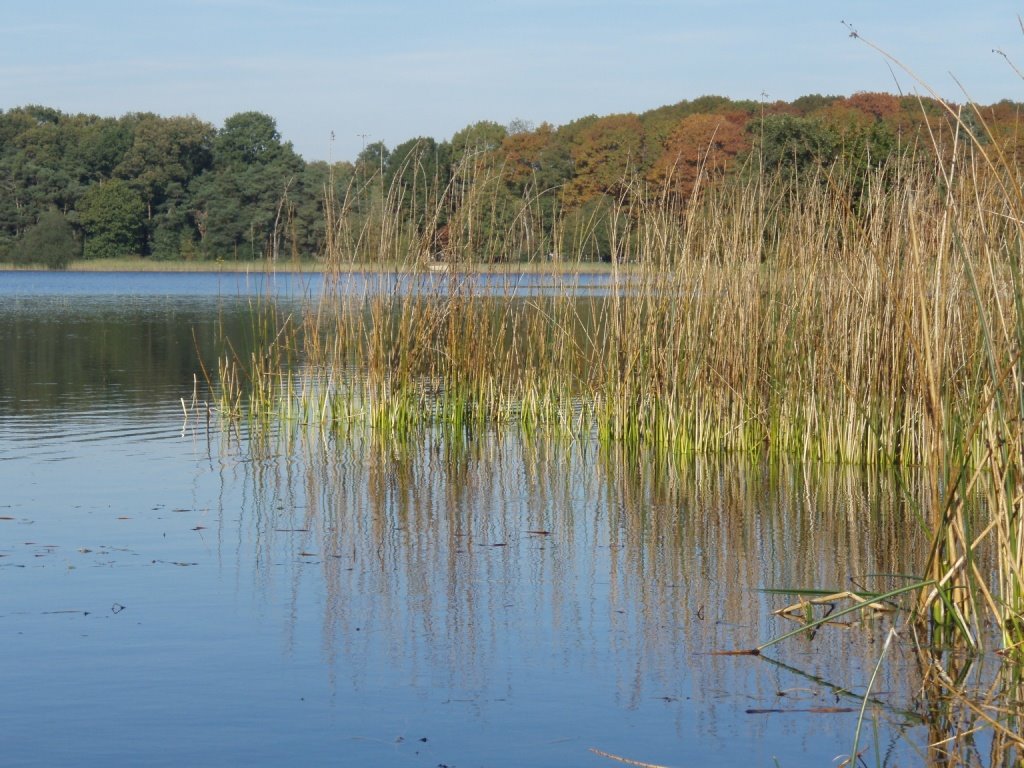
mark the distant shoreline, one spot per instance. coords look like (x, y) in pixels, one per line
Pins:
(262, 266)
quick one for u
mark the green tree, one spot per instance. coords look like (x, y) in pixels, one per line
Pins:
(248, 138)
(50, 241)
(479, 138)
(795, 143)
(595, 231)
(812, 102)
(94, 146)
(372, 160)
(415, 176)
(39, 166)
(111, 215)
(165, 155)
(241, 204)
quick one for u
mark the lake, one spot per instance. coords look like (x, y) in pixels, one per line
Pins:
(178, 591)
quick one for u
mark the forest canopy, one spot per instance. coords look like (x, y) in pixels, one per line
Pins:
(82, 186)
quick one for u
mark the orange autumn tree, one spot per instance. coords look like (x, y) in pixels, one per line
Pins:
(699, 151)
(1004, 125)
(532, 154)
(606, 154)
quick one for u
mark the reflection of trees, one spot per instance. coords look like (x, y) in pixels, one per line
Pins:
(118, 351)
(456, 559)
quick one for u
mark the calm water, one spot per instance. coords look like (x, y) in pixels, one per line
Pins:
(184, 594)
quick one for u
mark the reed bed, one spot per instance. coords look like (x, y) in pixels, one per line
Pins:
(864, 317)
(773, 317)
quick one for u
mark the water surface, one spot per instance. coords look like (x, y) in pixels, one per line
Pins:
(181, 592)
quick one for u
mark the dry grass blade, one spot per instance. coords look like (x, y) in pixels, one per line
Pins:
(626, 760)
(799, 608)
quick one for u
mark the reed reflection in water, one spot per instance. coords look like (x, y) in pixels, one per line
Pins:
(544, 577)
(300, 599)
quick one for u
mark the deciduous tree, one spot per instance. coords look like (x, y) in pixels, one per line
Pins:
(607, 154)
(50, 241)
(699, 150)
(111, 215)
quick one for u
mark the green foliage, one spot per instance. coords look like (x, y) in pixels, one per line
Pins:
(165, 155)
(111, 215)
(171, 235)
(596, 231)
(248, 138)
(371, 160)
(50, 241)
(241, 205)
(484, 136)
(812, 102)
(795, 143)
(97, 146)
(416, 175)
(495, 191)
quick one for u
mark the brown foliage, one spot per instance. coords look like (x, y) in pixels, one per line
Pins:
(524, 152)
(606, 154)
(1003, 121)
(881, 106)
(699, 150)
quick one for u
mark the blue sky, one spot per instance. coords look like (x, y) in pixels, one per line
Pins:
(395, 69)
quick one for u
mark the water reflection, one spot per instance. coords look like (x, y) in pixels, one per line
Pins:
(496, 571)
(56, 355)
(293, 597)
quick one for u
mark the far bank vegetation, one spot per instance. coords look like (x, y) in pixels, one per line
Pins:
(88, 188)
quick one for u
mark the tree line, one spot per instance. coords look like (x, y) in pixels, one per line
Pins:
(83, 186)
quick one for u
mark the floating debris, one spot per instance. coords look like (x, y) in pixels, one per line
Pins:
(625, 760)
(802, 710)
